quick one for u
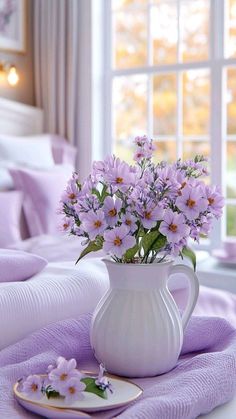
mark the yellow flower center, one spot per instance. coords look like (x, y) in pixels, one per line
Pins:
(72, 196)
(191, 203)
(117, 241)
(211, 201)
(34, 387)
(147, 215)
(112, 212)
(63, 377)
(119, 180)
(71, 390)
(128, 222)
(65, 226)
(173, 227)
(97, 224)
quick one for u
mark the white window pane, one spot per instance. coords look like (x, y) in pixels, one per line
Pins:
(230, 23)
(196, 102)
(164, 33)
(126, 4)
(165, 150)
(124, 149)
(194, 28)
(231, 101)
(164, 104)
(231, 220)
(130, 39)
(231, 169)
(192, 148)
(129, 106)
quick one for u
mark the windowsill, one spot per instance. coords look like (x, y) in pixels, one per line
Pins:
(214, 274)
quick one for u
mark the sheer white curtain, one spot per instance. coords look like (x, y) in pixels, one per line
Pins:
(62, 71)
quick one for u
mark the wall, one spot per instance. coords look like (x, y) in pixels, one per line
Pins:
(24, 90)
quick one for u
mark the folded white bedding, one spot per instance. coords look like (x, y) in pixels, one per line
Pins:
(62, 290)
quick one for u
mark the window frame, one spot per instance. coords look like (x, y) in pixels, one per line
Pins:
(217, 65)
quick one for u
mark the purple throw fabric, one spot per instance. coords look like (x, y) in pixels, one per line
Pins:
(204, 378)
(16, 265)
(42, 192)
(10, 212)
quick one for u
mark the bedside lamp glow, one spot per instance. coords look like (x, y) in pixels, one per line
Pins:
(12, 76)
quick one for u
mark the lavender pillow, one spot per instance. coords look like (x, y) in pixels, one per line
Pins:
(10, 212)
(42, 192)
(16, 265)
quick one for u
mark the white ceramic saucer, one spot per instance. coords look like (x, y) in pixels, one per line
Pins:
(222, 256)
(124, 393)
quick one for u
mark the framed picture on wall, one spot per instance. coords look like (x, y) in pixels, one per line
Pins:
(13, 25)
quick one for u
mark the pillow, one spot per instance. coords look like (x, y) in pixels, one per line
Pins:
(63, 152)
(31, 151)
(10, 212)
(42, 192)
(16, 265)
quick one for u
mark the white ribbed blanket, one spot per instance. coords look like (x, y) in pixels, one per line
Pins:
(61, 291)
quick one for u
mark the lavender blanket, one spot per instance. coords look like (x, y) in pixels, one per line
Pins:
(204, 377)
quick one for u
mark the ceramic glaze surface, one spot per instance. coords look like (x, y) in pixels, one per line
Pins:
(136, 329)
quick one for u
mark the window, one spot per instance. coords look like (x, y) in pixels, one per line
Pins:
(171, 73)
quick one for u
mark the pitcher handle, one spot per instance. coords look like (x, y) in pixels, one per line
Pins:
(193, 290)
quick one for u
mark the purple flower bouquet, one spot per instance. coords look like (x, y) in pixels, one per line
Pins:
(144, 212)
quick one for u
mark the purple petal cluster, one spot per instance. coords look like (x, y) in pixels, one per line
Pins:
(144, 148)
(119, 205)
(32, 386)
(118, 240)
(65, 379)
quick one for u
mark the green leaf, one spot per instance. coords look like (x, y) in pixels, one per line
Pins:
(104, 193)
(97, 193)
(189, 253)
(92, 247)
(148, 240)
(91, 387)
(159, 242)
(130, 253)
(50, 393)
(153, 241)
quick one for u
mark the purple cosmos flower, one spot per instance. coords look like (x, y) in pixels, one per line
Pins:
(32, 386)
(72, 390)
(130, 221)
(100, 168)
(191, 202)
(166, 176)
(174, 227)
(64, 371)
(118, 240)
(120, 176)
(175, 248)
(150, 215)
(72, 191)
(139, 155)
(93, 223)
(67, 224)
(215, 200)
(111, 210)
(102, 382)
(145, 148)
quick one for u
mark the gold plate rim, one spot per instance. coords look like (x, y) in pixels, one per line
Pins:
(80, 411)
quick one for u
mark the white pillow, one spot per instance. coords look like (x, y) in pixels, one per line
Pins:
(32, 151)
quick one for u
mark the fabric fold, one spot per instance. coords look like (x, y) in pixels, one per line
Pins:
(204, 378)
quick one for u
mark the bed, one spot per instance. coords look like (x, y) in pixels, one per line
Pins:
(62, 290)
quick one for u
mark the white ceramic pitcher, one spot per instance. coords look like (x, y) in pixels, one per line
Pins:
(137, 330)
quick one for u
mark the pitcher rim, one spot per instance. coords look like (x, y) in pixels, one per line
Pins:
(167, 261)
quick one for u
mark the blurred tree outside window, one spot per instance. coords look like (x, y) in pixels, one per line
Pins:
(161, 64)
